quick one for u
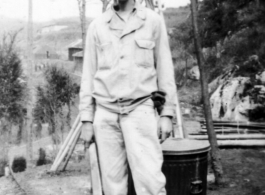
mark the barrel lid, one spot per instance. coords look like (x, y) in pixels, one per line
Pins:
(176, 146)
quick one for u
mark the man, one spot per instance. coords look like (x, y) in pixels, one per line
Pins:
(127, 58)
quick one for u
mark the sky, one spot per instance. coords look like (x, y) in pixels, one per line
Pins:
(45, 10)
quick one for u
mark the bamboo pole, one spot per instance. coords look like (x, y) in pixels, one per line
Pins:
(238, 126)
(227, 137)
(66, 141)
(70, 152)
(233, 131)
(66, 149)
(242, 143)
(235, 122)
(222, 127)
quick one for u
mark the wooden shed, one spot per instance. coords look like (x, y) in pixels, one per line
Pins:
(74, 48)
(78, 61)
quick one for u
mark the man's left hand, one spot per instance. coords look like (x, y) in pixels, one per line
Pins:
(165, 127)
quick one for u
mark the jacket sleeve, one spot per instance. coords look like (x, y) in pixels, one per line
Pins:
(165, 69)
(87, 102)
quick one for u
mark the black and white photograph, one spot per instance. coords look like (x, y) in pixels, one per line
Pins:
(132, 97)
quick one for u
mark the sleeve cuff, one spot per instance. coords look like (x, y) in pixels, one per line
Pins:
(168, 111)
(86, 116)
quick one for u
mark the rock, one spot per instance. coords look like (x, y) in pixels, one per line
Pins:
(246, 180)
(186, 113)
(228, 102)
(210, 178)
(41, 174)
(194, 73)
(261, 77)
(7, 171)
(232, 185)
(51, 151)
(241, 110)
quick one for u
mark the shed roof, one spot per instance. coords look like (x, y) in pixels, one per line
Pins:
(78, 54)
(76, 44)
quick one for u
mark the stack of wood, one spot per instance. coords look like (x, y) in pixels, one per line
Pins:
(67, 148)
(234, 133)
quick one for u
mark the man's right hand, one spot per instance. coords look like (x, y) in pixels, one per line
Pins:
(87, 132)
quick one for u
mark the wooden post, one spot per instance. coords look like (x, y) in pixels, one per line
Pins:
(30, 67)
(82, 15)
(84, 24)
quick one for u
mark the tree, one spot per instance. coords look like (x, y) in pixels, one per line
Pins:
(12, 85)
(181, 41)
(234, 29)
(215, 153)
(53, 99)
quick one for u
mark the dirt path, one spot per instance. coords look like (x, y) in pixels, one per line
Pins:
(10, 187)
(67, 185)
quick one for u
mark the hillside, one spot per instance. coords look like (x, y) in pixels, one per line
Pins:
(58, 34)
(175, 16)
(9, 24)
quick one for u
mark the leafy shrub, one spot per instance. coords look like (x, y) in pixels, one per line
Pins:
(56, 95)
(19, 164)
(13, 88)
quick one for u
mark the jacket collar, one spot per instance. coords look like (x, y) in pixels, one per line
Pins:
(140, 12)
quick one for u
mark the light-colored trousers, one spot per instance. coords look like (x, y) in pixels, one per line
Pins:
(129, 138)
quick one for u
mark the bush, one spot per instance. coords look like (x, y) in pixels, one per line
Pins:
(19, 164)
(53, 98)
(42, 157)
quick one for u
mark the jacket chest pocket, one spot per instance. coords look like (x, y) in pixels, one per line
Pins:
(106, 55)
(144, 53)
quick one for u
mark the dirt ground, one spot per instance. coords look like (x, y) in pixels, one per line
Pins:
(8, 186)
(74, 181)
(244, 172)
